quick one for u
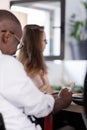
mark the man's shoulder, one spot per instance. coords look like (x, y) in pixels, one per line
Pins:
(10, 61)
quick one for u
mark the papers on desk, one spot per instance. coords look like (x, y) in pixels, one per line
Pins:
(80, 95)
(78, 99)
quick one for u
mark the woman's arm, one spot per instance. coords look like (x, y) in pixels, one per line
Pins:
(46, 88)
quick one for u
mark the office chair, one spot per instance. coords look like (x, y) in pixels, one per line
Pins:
(48, 122)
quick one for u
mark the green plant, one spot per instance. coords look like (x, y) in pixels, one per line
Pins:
(57, 87)
(79, 28)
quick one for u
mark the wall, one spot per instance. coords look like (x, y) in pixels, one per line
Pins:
(72, 7)
(4, 4)
(65, 72)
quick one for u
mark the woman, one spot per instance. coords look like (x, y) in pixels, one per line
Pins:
(31, 56)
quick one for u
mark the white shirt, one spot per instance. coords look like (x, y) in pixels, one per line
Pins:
(19, 96)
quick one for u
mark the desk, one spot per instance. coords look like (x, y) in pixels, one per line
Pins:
(75, 108)
(78, 109)
(73, 115)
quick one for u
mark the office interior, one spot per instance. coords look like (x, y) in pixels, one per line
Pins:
(63, 68)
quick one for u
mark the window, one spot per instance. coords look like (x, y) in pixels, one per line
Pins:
(48, 14)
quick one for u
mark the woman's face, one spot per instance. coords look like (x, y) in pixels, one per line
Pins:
(44, 42)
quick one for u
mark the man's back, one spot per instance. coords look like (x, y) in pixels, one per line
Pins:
(18, 97)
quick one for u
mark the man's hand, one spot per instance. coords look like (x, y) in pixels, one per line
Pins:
(62, 100)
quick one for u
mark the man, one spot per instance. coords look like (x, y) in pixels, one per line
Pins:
(19, 97)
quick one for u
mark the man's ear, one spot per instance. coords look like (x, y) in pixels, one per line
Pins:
(5, 37)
